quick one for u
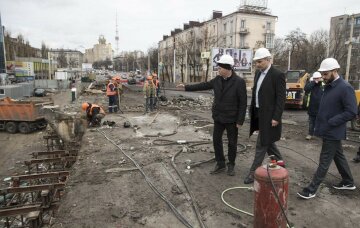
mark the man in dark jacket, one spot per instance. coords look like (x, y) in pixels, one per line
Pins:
(314, 88)
(267, 106)
(228, 111)
(337, 106)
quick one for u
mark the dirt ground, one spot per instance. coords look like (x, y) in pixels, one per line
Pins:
(104, 189)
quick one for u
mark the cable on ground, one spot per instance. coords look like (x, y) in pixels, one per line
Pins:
(178, 215)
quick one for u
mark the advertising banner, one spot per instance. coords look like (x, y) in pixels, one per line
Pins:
(24, 69)
(242, 58)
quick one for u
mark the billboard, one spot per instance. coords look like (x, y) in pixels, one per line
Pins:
(20, 69)
(242, 58)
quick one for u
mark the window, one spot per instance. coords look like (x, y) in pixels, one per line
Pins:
(269, 41)
(231, 26)
(357, 21)
(224, 41)
(242, 24)
(268, 25)
(242, 40)
(231, 41)
(213, 28)
(225, 28)
(2, 92)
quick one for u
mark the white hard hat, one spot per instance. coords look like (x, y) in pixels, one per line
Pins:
(226, 59)
(329, 64)
(316, 75)
(261, 53)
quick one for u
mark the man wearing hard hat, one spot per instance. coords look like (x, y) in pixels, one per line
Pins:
(94, 114)
(267, 106)
(338, 105)
(314, 88)
(228, 111)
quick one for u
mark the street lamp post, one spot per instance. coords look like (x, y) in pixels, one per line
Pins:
(349, 48)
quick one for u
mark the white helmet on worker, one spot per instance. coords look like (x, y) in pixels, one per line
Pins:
(316, 75)
(261, 53)
(226, 59)
(329, 64)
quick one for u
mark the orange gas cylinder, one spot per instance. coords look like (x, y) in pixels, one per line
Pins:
(267, 211)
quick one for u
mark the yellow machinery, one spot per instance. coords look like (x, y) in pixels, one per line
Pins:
(355, 123)
(295, 83)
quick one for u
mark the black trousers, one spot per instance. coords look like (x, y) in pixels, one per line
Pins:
(331, 150)
(262, 150)
(232, 135)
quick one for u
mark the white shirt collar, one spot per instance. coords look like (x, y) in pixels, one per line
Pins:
(267, 69)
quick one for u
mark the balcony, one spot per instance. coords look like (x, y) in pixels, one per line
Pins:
(269, 31)
(244, 30)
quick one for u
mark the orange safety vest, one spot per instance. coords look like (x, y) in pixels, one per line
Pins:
(110, 92)
(95, 106)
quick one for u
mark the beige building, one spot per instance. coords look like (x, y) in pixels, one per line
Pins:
(191, 46)
(99, 52)
(74, 58)
(340, 29)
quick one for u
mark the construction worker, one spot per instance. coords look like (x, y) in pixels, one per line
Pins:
(94, 114)
(157, 85)
(119, 90)
(228, 110)
(111, 92)
(338, 106)
(314, 88)
(149, 93)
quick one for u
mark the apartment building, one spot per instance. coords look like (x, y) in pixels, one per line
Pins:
(74, 58)
(340, 31)
(192, 47)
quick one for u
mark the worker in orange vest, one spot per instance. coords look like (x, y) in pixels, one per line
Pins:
(149, 93)
(157, 85)
(94, 114)
(111, 92)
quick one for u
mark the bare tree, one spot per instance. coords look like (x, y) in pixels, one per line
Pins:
(297, 43)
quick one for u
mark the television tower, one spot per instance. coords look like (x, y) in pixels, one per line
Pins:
(117, 37)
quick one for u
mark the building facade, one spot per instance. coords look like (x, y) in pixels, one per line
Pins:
(340, 29)
(73, 59)
(100, 52)
(190, 47)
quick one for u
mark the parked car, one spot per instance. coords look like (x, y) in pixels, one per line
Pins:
(131, 81)
(39, 92)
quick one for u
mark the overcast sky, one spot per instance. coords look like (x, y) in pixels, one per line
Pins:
(77, 24)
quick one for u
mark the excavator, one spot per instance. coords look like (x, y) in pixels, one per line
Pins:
(295, 94)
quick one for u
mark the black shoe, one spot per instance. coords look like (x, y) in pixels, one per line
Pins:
(306, 194)
(250, 178)
(344, 186)
(356, 159)
(230, 170)
(220, 166)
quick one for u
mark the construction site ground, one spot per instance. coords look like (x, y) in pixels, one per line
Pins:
(105, 189)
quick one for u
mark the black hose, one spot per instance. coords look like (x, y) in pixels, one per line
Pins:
(277, 196)
(178, 215)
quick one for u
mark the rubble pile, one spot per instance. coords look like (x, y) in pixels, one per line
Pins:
(180, 101)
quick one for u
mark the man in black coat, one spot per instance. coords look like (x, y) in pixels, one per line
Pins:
(228, 110)
(337, 106)
(267, 106)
